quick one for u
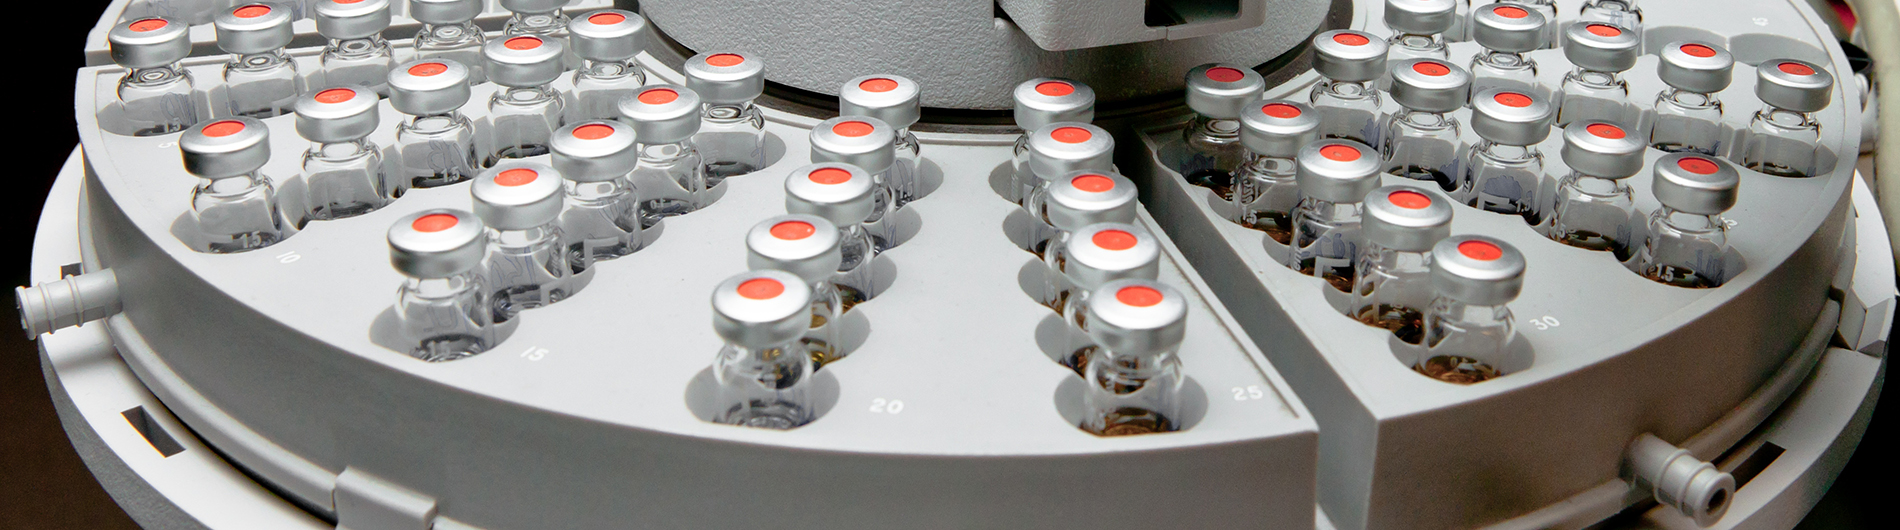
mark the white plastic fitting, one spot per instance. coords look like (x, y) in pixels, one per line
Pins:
(1680, 480)
(69, 302)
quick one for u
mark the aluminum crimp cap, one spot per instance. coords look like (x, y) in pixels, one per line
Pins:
(518, 195)
(1137, 317)
(1337, 170)
(861, 141)
(805, 245)
(444, 11)
(1420, 17)
(1697, 184)
(225, 148)
(1278, 128)
(1601, 46)
(526, 61)
(428, 86)
(838, 192)
(1477, 270)
(891, 98)
(662, 114)
(608, 35)
(1104, 252)
(1349, 55)
(595, 151)
(1087, 197)
(253, 28)
(1696, 66)
(338, 114)
(1510, 117)
(437, 243)
(351, 19)
(1508, 28)
(726, 77)
(1430, 85)
(1405, 218)
(1794, 85)
(533, 6)
(1047, 100)
(761, 309)
(1061, 148)
(149, 42)
(1220, 90)
(1602, 149)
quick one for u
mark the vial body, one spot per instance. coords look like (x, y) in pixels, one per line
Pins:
(461, 43)
(1422, 146)
(524, 120)
(1465, 341)
(1503, 179)
(671, 179)
(731, 139)
(449, 318)
(766, 388)
(1326, 241)
(1267, 196)
(364, 62)
(261, 85)
(855, 279)
(1348, 110)
(526, 269)
(1132, 394)
(345, 179)
(902, 179)
(1684, 249)
(1505, 70)
(601, 222)
(158, 100)
(1687, 122)
(1594, 214)
(1213, 153)
(827, 309)
(1393, 291)
(1782, 143)
(437, 150)
(600, 85)
(237, 214)
(1590, 95)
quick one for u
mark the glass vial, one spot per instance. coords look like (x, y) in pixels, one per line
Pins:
(602, 220)
(1349, 63)
(1059, 149)
(1096, 255)
(1134, 379)
(357, 54)
(1689, 113)
(1595, 206)
(1688, 239)
(1079, 200)
(527, 266)
(156, 94)
(1418, 30)
(763, 373)
(1508, 32)
(234, 206)
(1469, 330)
(1505, 171)
(436, 143)
(1268, 192)
(606, 42)
(1334, 176)
(449, 34)
(842, 194)
(1784, 136)
(1596, 89)
(670, 174)
(1040, 102)
(1548, 10)
(260, 81)
(343, 171)
(527, 110)
(867, 143)
(539, 18)
(443, 306)
(732, 130)
(894, 100)
(1393, 288)
(1212, 152)
(806, 246)
(1421, 139)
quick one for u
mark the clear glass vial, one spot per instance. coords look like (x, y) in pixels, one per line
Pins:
(807, 247)
(892, 99)
(763, 373)
(1268, 192)
(1595, 206)
(1469, 330)
(1211, 151)
(1596, 89)
(1688, 240)
(1418, 30)
(527, 265)
(671, 175)
(1421, 139)
(1040, 102)
(732, 130)
(1079, 200)
(442, 308)
(343, 171)
(1061, 148)
(357, 54)
(260, 81)
(842, 194)
(234, 206)
(1134, 379)
(1334, 176)
(1508, 31)
(1546, 9)
(1393, 288)
(602, 220)
(1689, 113)
(540, 18)
(606, 42)
(1505, 171)
(524, 114)
(449, 33)
(436, 143)
(1784, 136)
(156, 94)
(1097, 254)
(1346, 97)
(867, 143)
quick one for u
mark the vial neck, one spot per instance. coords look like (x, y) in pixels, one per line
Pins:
(232, 185)
(1506, 152)
(595, 191)
(594, 69)
(1390, 259)
(523, 238)
(437, 123)
(1423, 119)
(1477, 315)
(727, 112)
(1138, 361)
(1785, 119)
(1689, 99)
(1348, 89)
(343, 150)
(1686, 222)
(1597, 78)
(1612, 5)
(526, 95)
(769, 358)
(446, 287)
(260, 61)
(1502, 59)
(1217, 127)
(659, 153)
(450, 34)
(1598, 186)
(155, 76)
(370, 46)
(1417, 41)
(1328, 212)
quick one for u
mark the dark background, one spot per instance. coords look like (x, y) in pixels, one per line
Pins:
(44, 485)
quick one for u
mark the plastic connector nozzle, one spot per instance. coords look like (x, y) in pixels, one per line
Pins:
(1680, 480)
(69, 302)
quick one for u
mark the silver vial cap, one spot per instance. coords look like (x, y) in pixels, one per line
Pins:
(725, 78)
(428, 86)
(1278, 128)
(595, 151)
(805, 245)
(1696, 66)
(1696, 184)
(351, 19)
(1220, 91)
(437, 243)
(840, 193)
(1047, 100)
(1104, 252)
(225, 148)
(149, 42)
(518, 195)
(1349, 55)
(1507, 27)
(1477, 270)
(662, 114)
(1602, 149)
(253, 28)
(1087, 197)
(1510, 117)
(338, 114)
(1430, 85)
(1337, 171)
(523, 62)
(533, 6)
(1420, 17)
(444, 11)
(1794, 85)
(1137, 317)
(607, 35)
(762, 309)
(1060, 148)
(1406, 218)
(891, 98)
(1601, 47)
(861, 141)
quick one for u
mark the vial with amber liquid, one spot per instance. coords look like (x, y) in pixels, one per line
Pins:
(841, 194)
(763, 374)
(1393, 289)
(1595, 205)
(806, 246)
(1274, 132)
(1688, 239)
(1134, 378)
(1212, 152)
(1469, 329)
(1334, 176)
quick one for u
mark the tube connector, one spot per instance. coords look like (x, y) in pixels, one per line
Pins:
(1680, 480)
(69, 302)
